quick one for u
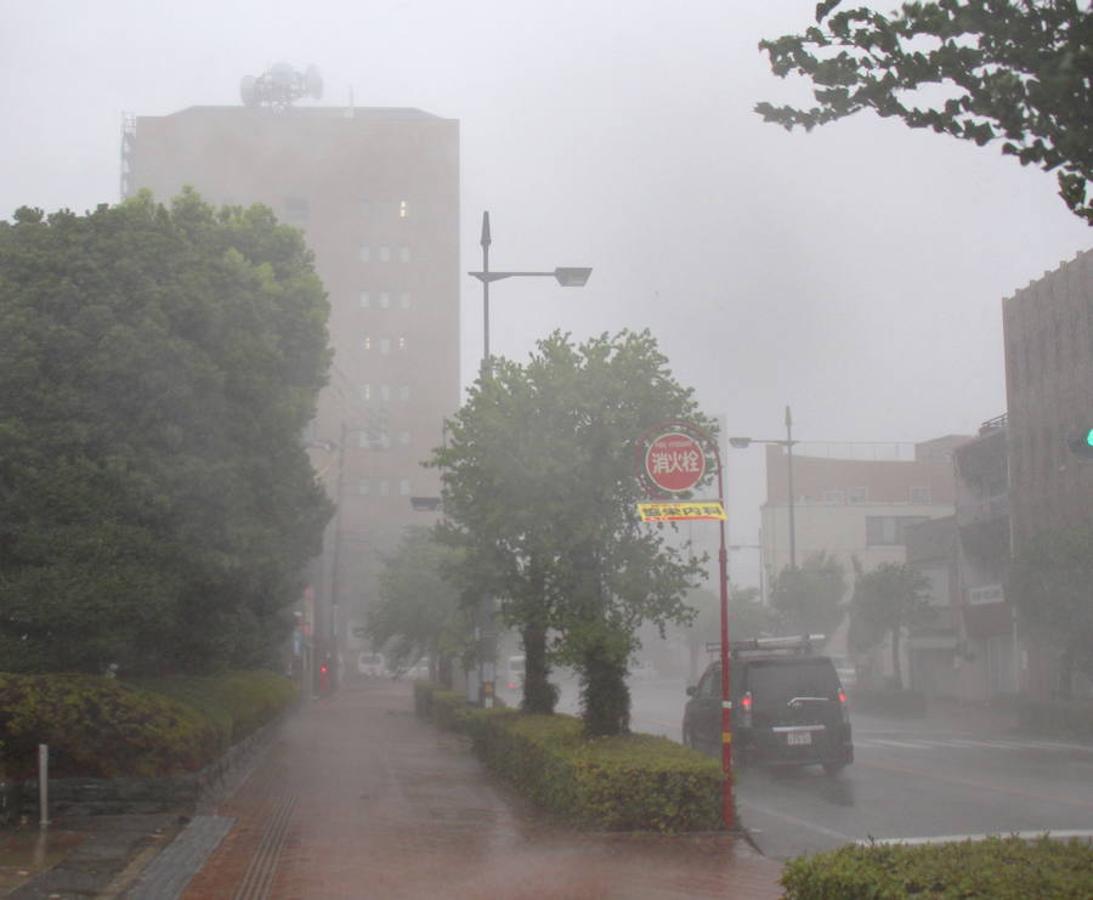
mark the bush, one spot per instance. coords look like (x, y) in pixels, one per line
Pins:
(104, 728)
(996, 868)
(98, 727)
(632, 782)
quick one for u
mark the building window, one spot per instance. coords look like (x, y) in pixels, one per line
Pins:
(366, 300)
(366, 392)
(920, 495)
(834, 496)
(402, 343)
(404, 254)
(404, 393)
(364, 487)
(385, 254)
(882, 531)
(404, 487)
(385, 300)
(857, 494)
(404, 438)
(365, 253)
(403, 209)
(367, 342)
(385, 393)
(404, 300)
(385, 488)
(385, 345)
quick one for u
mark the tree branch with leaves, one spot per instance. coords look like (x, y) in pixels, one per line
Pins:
(1016, 72)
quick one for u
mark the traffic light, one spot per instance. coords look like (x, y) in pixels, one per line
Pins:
(1081, 444)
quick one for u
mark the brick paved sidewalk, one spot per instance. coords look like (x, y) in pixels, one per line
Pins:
(359, 799)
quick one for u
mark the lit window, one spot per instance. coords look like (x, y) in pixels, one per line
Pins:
(366, 392)
(385, 300)
(402, 343)
(404, 254)
(365, 253)
(384, 488)
(404, 300)
(385, 254)
(366, 300)
(404, 438)
(385, 345)
(404, 392)
(403, 209)
(364, 487)
(367, 343)
(404, 487)
(385, 392)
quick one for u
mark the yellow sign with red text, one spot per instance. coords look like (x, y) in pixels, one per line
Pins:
(681, 511)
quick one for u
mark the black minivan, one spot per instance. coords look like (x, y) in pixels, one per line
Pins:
(788, 706)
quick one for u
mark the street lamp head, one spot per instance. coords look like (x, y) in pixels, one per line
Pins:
(485, 241)
(572, 277)
(740, 443)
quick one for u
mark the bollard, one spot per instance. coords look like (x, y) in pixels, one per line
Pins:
(43, 785)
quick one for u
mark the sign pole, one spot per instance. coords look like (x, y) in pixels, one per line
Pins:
(672, 460)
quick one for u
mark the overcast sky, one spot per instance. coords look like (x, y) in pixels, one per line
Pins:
(856, 272)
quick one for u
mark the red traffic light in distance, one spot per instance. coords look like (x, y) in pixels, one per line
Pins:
(1081, 444)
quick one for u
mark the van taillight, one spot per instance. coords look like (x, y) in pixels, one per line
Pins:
(745, 704)
(843, 705)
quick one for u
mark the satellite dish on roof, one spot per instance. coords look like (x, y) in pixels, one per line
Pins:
(313, 82)
(280, 86)
(248, 90)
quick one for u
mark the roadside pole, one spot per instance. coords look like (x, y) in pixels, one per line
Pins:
(671, 461)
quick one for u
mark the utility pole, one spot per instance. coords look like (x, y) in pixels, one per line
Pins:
(789, 462)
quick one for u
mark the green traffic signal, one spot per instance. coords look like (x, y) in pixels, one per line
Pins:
(1081, 445)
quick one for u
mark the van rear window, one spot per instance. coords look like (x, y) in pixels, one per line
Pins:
(782, 680)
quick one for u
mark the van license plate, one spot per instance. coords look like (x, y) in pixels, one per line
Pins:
(799, 737)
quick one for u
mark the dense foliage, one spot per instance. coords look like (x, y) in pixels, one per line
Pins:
(1051, 580)
(808, 598)
(993, 869)
(886, 600)
(158, 367)
(540, 494)
(100, 727)
(633, 782)
(1012, 71)
(417, 612)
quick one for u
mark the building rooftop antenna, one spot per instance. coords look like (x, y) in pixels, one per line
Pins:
(280, 86)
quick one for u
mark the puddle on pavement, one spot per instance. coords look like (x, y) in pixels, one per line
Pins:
(23, 854)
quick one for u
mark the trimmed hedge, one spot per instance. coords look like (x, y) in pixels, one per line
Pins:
(993, 869)
(634, 782)
(100, 727)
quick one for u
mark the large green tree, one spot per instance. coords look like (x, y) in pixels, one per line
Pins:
(1051, 580)
(540, 491)
(417, 611)
(808, 598)
(1015, 71)
(157, 367)
(887, 599)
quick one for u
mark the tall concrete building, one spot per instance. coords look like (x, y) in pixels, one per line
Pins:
(376, 193)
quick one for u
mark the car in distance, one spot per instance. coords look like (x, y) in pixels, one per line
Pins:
(371, 665)
(788, 706)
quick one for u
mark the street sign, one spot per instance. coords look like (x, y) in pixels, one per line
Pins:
(681, 511)
(675, 462)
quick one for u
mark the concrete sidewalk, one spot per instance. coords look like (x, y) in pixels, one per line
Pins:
(360, 799)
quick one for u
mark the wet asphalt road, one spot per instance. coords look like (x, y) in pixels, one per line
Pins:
(910, 779)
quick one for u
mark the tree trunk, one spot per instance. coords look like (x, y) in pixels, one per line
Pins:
(605, 698)
(897, 670)
(539, 694)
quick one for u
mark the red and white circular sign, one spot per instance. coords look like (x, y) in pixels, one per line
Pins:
(675, 462)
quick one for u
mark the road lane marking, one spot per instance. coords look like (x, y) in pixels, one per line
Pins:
(793, 820)
(974, 783)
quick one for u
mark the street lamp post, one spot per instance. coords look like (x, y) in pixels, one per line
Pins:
(568, 276)
(740, 443)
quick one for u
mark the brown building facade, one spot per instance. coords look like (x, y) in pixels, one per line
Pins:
(376, 193)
